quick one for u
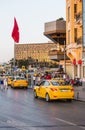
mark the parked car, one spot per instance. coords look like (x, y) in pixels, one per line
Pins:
(77, 82)
(10, 79)
(19, 82)
(60, 80)
(53, 90)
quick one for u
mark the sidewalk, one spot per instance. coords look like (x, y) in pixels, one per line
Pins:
(79, 93)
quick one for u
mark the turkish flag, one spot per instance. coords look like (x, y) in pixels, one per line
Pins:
(15, 31)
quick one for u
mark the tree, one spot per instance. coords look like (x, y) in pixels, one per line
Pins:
(60, 19)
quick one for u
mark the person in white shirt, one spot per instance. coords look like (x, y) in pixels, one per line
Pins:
(5, 83)
(34, 79)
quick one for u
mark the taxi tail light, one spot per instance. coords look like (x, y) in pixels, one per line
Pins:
(54, 89)
(26, 81)
(72, 89)
(15, 80)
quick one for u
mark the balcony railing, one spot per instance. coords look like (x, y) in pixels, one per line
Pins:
(78, 17)
(55, 52)
(55, 25)
(79, 40)
(56, 55)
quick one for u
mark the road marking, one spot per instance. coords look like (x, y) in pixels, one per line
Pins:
(70, 123)
(67, 122)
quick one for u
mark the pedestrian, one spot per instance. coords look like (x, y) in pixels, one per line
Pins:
(5, 83)
(47, 76)
(1, 83)
(72, 82)
(34, 80)
(38, 78)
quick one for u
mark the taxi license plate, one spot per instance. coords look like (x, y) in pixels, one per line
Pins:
(64, 90)
(21, 85)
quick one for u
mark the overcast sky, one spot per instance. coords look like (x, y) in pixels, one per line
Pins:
(31, 15)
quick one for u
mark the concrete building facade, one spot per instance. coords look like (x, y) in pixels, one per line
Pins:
(37, 51)
(56, 31)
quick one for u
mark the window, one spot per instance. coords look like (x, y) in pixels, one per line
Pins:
(69, 37)
(75, 34)
(84, 71)
(42, 83)
(75, 8)
(68, 14)
(46, 83)
(55, 83)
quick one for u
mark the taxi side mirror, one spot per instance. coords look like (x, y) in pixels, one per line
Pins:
(37, 84)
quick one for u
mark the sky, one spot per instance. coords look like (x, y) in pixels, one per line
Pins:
(31, 15)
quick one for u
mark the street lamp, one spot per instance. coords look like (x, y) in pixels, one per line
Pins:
(63, 49)
(64, 56)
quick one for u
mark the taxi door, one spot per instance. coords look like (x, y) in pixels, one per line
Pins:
(40, 89)
(44, 89)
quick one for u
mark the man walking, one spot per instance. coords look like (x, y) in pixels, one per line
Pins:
(5, 83)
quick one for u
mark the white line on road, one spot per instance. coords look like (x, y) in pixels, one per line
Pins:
(67, 122)
(70, 123)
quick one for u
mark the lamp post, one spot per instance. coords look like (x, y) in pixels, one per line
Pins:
(64, 57)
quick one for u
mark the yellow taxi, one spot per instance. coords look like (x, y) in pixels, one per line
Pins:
(19, 82)
(60, 80)
(23, 68)
(53, 90)
(10, 79)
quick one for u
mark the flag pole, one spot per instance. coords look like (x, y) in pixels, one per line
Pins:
(15, 36)
(14, 53)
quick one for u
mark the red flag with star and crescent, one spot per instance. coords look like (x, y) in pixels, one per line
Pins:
(15, 32)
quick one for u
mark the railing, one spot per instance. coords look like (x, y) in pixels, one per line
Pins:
(55, 25)
(55, 52)
(79, 40)
(78, 17)
(50, 26)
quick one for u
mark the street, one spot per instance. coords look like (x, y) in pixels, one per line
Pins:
(20, 111)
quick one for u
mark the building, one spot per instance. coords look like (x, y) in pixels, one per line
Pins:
(56, 31)
(75, 44)
(75, 35)
(69, 35)
(37, 51)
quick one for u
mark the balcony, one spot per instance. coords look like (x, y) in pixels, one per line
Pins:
(56, 31)
(77, 1)
(79, 40)
(78, 18)
(57, 55)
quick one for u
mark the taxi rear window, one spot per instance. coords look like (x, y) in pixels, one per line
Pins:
(20, 78)
(54, 83)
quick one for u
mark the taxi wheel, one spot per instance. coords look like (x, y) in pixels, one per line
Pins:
(11, 86)
(35, 94)
(47, 97)
(69, 100)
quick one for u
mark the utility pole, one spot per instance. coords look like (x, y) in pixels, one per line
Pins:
(64, 56)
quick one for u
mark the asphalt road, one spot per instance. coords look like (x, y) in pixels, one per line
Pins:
(20, 111)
